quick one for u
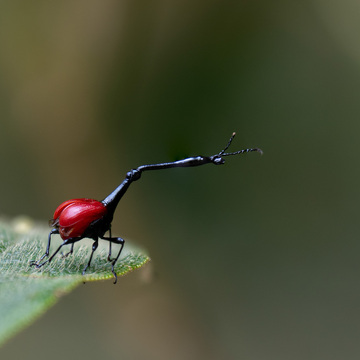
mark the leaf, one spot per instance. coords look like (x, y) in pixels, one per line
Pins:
(26, 292)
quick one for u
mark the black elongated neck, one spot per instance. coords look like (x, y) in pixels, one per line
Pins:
(113, 199)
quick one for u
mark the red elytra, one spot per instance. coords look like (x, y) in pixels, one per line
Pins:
(73, 217)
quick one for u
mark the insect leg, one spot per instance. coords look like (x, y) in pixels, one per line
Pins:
(70, 252)
(65, 242)
(53, 231)
(119, 241)
(109, 256)
(94, 247)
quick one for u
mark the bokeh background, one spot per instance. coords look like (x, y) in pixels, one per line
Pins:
(257, 259)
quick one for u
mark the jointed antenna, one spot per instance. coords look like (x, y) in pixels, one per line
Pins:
(228, 144)
(223, 153)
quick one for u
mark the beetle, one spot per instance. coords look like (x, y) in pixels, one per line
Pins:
(77, 219)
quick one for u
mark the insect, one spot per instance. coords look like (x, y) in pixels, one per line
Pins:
(77, 219)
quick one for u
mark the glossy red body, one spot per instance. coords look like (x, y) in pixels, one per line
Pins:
(73, 217)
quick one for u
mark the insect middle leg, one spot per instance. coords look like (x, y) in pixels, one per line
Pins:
(69, 252)
(94, 247)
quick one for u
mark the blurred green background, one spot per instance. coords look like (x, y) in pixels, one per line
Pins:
(258, 259)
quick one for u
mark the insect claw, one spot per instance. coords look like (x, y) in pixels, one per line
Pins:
(115, 276)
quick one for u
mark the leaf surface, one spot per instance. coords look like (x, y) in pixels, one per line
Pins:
(26, 292)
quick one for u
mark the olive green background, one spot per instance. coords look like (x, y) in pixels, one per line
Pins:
(257, 259)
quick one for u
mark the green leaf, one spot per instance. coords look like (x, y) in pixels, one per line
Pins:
(26, 292)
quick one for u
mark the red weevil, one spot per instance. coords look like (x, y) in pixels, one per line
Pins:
(87, 218)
